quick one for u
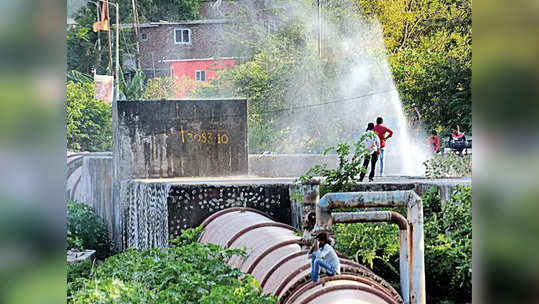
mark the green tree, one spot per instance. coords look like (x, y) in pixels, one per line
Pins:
(159, 88)
(429, 45)
(89, 120)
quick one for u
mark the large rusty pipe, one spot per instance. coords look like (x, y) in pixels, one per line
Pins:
(278, 262)
(409, 199)
(390, 217)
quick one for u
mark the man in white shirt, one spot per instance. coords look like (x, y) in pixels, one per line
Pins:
(323, 256)
(371, 141)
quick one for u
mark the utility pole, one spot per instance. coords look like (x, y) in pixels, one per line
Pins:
(98, 41)
(319, 30)
(135, 26)
(117, 51)
(109, 36)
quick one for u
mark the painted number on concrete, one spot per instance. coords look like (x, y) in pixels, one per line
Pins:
(204, 137)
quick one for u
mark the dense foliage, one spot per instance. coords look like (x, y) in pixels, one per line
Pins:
(189, 272)
(86, 230)
(430, 51)
(76, 276)
(89, 120)
(448, 233)
(449, 164)
(448, 246)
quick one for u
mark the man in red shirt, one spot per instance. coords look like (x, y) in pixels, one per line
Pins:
(381, 131)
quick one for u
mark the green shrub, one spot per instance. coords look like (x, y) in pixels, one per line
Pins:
(111, 290)
(448, 246)
(372, 244)
(86, 230)
(74, 242)
(449, 164)
(76, 276)
(345, 176)
(189, 273)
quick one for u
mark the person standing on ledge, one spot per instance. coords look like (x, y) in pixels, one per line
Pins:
(381, 131)
(416, 120)
(323, 256)
(372, 143)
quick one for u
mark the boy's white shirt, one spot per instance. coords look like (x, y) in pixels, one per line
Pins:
(371, 141)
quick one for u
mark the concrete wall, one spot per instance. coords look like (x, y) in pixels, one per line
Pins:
(294, 165)
(176, 138)
(287, 165)
(96, 187)
(190, 205)
(89, 181)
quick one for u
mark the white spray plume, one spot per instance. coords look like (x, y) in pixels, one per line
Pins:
(366, 82)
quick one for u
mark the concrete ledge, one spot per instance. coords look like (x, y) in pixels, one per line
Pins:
(79, 256)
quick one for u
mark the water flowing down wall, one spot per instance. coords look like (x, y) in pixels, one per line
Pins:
(145, 214)
(158, 210)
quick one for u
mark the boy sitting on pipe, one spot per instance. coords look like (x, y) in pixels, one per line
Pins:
(323, 256)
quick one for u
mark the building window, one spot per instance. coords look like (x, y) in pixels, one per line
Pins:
(143, 36)
(182, 36)
(200, 75)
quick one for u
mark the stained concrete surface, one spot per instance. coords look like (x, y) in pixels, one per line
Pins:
(202, 137)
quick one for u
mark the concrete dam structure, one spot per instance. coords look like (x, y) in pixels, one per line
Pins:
(277, 260)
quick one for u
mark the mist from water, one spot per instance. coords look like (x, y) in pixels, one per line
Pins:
(370, 75)
(364, 86)
(366, 90)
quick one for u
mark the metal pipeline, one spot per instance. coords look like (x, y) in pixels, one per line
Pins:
(278, 262)
(412, 264)
(391, 217)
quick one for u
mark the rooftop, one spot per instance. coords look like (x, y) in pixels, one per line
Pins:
(183, 22)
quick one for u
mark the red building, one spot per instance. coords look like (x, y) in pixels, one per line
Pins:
(199, 69)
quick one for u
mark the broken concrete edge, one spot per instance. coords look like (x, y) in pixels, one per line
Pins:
(74, 256)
